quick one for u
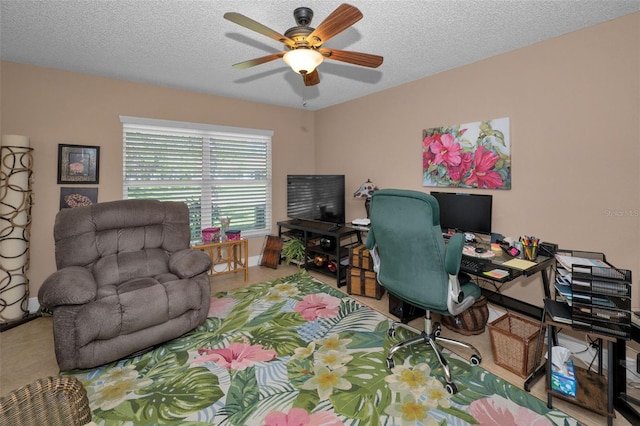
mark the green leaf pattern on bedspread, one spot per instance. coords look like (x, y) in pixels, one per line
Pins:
(296, 351)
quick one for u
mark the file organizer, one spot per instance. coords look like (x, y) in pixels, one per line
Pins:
(601, 300)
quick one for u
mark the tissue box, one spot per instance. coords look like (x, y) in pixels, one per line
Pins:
(233, 235)
(565, 381)
(210, 235)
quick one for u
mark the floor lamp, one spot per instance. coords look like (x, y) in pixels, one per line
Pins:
(16, 174)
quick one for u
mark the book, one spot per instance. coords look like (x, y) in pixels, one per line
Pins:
(558, 311)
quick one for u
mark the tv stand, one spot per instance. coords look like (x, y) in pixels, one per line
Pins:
(330, 259)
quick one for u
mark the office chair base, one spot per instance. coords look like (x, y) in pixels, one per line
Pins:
(432, 338)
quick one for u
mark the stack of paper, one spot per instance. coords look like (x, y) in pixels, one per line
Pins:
(568, 261)
(519, 264)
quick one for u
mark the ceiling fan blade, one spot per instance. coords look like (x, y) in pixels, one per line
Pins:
(258, 61)
(339, 20)
(356, 58)
(258, 27)
(312, 78)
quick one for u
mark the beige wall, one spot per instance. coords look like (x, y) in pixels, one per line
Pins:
(574, 108)
(53, 107)
(574, 105)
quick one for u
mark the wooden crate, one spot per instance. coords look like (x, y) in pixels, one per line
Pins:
(363, 283)
(359, 257)
(271, 252)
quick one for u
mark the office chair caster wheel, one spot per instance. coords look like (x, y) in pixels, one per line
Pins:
(451, 388)
(437, 329)
(390, 363)
(391, 332)
(475, 360)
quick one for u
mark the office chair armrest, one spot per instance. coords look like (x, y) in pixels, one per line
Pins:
(453, 255)
(457, 304)
(455, 300)
(370, 243)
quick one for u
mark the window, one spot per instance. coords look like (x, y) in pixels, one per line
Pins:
(217, 171)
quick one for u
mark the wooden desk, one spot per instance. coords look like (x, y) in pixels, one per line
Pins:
(227, 257)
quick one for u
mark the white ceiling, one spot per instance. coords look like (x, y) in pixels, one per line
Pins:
(187, 44)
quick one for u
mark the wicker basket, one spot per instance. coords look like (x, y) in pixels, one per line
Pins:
(513, 342)
(59, 400)
(471, 321)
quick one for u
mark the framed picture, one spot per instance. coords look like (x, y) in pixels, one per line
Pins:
(78, 164)
(471, 155)
(77, 197)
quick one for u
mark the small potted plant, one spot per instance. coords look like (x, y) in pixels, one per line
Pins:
(294, 250)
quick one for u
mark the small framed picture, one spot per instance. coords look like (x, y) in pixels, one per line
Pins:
(77, 197)
(78, 164)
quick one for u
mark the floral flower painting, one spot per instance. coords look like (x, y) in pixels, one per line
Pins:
(472, 155)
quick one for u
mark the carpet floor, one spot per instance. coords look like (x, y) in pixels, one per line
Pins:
(294, 351)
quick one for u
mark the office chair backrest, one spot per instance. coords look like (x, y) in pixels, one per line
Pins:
(406, 228)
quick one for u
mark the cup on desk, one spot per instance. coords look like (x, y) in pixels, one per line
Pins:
(530, 251)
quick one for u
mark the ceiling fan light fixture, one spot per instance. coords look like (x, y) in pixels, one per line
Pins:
(303, 61)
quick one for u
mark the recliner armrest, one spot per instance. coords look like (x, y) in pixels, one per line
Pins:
(73, 285)
(188, 263)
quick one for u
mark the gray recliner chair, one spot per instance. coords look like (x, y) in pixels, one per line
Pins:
(126, 280)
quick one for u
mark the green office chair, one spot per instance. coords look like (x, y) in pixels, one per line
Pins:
(414, 264)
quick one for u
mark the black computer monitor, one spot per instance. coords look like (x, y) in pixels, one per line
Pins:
(465, 212)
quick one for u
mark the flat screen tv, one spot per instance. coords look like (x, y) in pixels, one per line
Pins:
(316, 197)
(465, 212)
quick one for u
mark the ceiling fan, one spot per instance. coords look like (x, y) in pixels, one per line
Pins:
(304, 44)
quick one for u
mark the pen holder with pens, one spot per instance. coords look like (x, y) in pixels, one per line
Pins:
(530, 251)
(529, 247)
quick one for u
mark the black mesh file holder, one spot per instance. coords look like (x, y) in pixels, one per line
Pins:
(601, 300)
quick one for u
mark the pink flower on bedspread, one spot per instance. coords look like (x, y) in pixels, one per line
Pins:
(314, 306)
(300, 417)
(236, 356)
(220, 307)
(497, 410)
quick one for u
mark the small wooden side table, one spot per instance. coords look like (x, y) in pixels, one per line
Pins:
(227, 257)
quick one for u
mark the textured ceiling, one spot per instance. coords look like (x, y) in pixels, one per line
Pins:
(187, 44)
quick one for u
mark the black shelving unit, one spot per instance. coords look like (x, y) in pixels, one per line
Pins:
(600, 306)
(627, 400)
(326, 240)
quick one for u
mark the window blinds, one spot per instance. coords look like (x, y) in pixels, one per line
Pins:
(217, 171)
